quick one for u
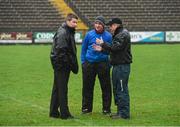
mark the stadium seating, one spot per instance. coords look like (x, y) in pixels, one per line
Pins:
(138, 15)
(28, 15)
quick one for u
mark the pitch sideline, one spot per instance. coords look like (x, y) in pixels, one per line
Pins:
(42, 108)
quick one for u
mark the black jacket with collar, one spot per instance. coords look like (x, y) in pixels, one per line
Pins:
(63, 52)
(120, 50)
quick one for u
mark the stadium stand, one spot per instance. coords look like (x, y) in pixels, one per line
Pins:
(65, 9)
(29, 15)
(138, 15)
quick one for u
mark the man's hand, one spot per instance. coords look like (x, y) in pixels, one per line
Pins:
(99, 41)
(97, 47)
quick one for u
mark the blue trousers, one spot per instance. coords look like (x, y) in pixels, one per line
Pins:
(120, 77)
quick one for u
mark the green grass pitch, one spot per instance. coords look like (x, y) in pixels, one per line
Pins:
(26, 78)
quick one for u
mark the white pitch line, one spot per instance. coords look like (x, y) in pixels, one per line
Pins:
(24, 103)
(41, 108)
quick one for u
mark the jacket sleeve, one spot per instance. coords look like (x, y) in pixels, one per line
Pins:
(107, 45)
(59, 53)
(84, 49)
(61, 41)
(119, 43)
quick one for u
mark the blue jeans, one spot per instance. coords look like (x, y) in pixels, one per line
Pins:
(120, 77)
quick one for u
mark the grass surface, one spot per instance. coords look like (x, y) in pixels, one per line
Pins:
(26, 79)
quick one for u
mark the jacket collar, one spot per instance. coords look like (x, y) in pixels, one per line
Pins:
(71, 30)
(118, 30)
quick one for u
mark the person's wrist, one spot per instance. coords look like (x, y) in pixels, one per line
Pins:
(101, 44)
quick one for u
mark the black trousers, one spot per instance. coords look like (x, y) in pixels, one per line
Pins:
(59, 96)
(90, 70)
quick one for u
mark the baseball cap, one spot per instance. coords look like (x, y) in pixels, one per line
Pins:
(114, 20)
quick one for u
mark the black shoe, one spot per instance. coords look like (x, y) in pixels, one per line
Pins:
(85, 111)
(67, 117)
(106, 112)
(54, 116)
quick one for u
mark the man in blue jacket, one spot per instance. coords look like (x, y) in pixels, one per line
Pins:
(96, 63)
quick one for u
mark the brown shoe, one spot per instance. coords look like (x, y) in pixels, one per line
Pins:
(116, 116)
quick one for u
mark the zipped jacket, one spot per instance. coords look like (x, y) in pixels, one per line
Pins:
(120, 50)
(63, 52)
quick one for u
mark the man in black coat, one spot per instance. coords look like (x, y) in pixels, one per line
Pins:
(120, 58)
(64, 60)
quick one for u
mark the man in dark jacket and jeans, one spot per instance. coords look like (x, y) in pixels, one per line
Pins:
(120, 58)
(63, 59)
